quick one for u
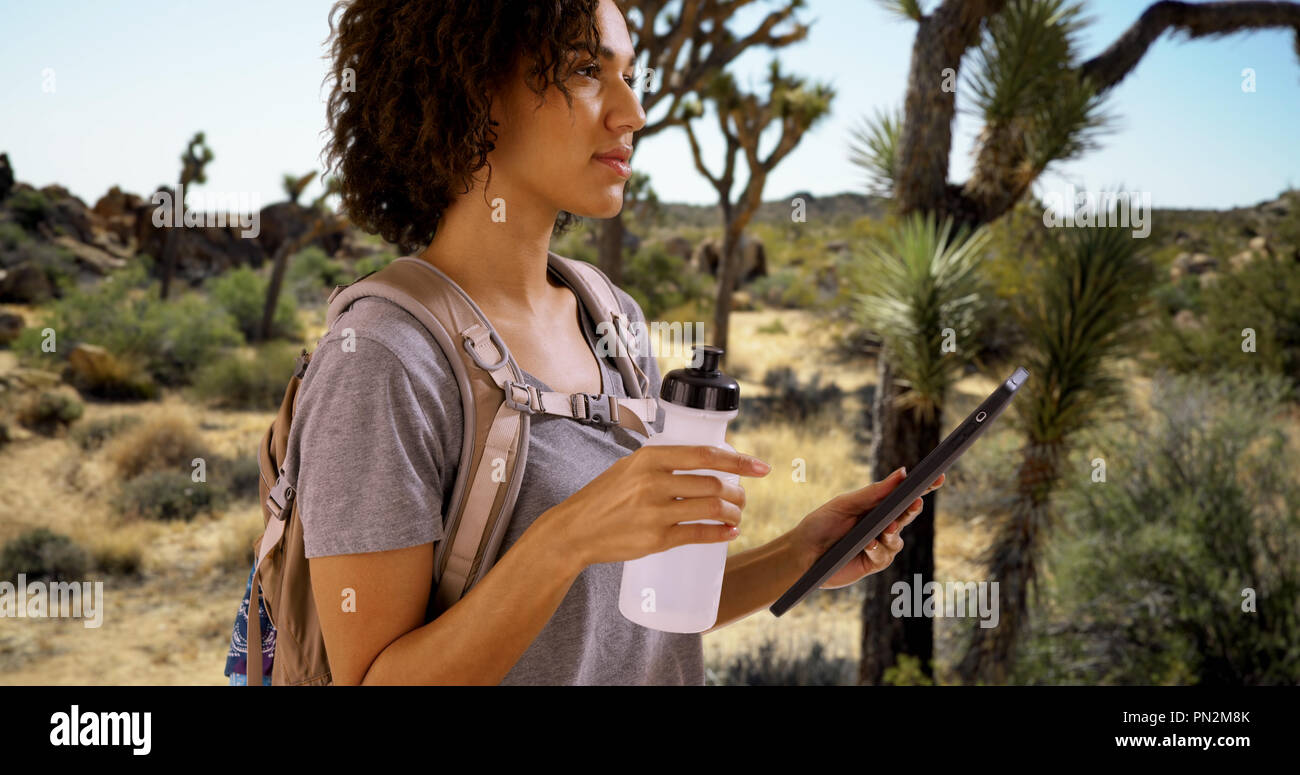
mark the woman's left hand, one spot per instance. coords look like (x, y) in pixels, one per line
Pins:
(822, 528)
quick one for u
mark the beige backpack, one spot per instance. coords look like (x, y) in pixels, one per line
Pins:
(497, 404)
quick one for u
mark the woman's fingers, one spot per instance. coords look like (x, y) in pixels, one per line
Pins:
(700, 486)
(881, 551)
(907, 517)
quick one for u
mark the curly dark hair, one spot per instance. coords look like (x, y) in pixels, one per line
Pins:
(438, 61)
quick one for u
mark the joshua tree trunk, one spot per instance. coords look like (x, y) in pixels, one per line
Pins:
(727, 272)
(320, 226)
(901, 438)
(610, 244)
(169, 248)
(1013, 565)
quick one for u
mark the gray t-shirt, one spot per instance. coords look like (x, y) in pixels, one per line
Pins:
(373, 453)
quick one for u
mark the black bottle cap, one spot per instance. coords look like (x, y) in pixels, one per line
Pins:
(704, 387)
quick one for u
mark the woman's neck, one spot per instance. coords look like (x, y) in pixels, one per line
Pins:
(498, 255)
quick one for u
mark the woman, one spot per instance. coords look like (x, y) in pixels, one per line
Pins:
(473, 129)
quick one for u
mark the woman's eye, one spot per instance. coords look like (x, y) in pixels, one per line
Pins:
(594, 68)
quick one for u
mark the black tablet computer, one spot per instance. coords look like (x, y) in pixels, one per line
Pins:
(902, 496)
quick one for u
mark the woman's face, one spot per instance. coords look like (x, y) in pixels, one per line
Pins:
(551, 153)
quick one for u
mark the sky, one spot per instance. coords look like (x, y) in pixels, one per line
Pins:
(101, 92)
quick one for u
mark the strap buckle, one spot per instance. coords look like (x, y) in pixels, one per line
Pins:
(596, 409)
(531, 403)
(300, 364)
(280, 496)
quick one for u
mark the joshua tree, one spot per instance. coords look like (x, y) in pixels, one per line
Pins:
(294, 186)
(686, 44)
(742, 118)
(1040, 104)
(323, 221)
(919, 287)
(194, 161)
(1082, 313)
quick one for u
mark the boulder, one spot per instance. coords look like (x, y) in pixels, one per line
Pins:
(25, 283)
(1259, 245)
(1202, 263)
(201, 251)
(116, 203)
(753, 259)
(87, 361)
(6, 176)
(98, 261)
(355, 246)
(1185, 320)
(283, 220)
(67, 215)
(1179, 266)
(11, 325)
(679, 246)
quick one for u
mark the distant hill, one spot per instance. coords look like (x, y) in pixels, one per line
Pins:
(836, 209)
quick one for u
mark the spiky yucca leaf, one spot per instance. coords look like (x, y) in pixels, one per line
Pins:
(874, 148)
(1089, 296)
(1027, 50)
(908, 9)
(911, 287)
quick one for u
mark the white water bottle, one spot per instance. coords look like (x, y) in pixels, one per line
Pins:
(678, 590)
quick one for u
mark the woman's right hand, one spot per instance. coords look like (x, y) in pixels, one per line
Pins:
(630, 510)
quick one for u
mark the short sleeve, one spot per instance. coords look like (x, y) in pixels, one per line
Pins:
(370, 465)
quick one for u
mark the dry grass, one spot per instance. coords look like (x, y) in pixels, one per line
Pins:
(168, 441)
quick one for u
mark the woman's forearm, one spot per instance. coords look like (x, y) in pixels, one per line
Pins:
(481, 637)
(756, 577)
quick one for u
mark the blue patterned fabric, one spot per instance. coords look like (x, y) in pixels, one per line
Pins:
(237, 656)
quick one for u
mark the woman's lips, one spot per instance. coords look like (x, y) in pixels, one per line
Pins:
(618, 165)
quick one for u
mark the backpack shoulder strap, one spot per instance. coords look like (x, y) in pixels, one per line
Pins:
(496, 402)
(495, 435)
(596, 291)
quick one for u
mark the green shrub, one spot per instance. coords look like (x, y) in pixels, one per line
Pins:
(58, 264)
(785, 288)
(661, 281)
(789, 400)
(43, 555)
(113, 378)
(768, 669)
(11, 236)
(122, 313)
(92, 435)
(775, 327)
(242, 382)
(1151, 570)
(50, 411)
(165, 495)
(906, 671)
(1263, 296)
(372, 263)
(242, 293)
(239, 476)
(311, 274)
(29, 207)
